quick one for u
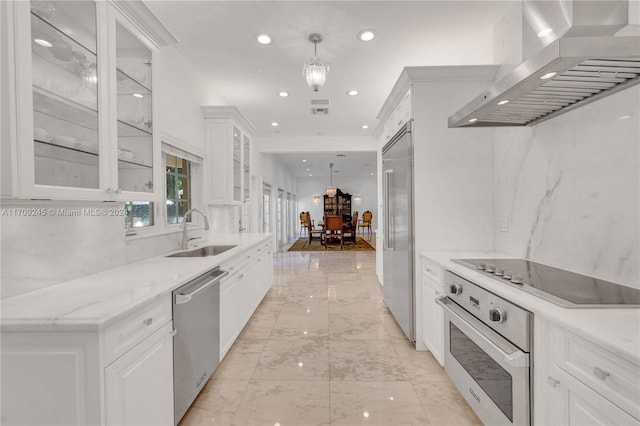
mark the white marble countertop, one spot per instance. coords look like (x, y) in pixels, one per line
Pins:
(93, 301)
(615, 329)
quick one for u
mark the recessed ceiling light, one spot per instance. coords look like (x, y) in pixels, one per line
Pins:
(310, 174)
(283, 94)
(473, 120)
(274, 124)
(545, 32)
(263, 39)
(42, 42)
(365, 126)
(548, 75)
(371, 174)
(138, 95)
(624, 117)
(304, 161)
(352, 92)
(308, 169)
(504, 101)
(366, 35)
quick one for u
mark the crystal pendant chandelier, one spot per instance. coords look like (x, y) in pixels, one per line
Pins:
(331, 190)
(314, 70)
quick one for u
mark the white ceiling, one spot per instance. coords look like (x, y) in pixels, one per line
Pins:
(345, 163)
(219, 39)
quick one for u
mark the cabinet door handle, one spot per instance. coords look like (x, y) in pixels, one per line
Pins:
(148, 322)
(552, 381)
(600, 374)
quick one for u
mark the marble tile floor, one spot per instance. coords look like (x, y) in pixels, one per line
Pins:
(322, 349)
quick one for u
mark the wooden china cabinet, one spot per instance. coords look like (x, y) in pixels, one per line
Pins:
(339, 204)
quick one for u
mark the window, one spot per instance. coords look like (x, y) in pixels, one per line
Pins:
(178, 188)
(138, 214)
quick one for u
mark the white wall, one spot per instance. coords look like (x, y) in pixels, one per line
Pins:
(453, 172)
(364, 187)
(275, 173)
(570, 189)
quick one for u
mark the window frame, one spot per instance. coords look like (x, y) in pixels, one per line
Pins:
(175, 147)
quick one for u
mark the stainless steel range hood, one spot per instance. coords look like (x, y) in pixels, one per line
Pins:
(566, 74)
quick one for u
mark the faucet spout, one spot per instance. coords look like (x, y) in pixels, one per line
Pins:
(185, 241)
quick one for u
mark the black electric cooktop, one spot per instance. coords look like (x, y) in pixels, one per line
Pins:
(561, 287)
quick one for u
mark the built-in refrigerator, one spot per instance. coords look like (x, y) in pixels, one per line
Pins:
(398, 242)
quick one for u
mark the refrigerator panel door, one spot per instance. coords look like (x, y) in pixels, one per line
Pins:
(398, 250)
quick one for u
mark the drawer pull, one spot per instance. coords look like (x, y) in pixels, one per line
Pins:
(600, 374)
(553, 382)
(148, 321)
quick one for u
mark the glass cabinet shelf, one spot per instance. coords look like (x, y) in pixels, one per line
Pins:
(134, 103)
(63, 66)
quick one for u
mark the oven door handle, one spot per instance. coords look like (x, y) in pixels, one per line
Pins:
(511, 354)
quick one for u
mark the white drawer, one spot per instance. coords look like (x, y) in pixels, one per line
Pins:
(615, 378)
(135, 327)
(432, 270)
(237, 263)
(435, 286)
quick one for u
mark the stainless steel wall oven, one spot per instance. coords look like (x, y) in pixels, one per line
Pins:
(488, 342)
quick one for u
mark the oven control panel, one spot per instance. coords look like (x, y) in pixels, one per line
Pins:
(503, 316)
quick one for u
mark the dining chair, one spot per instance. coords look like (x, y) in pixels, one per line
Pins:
(366, 221)
(349, 231)
(303, 221)
(333, 231)
(314, 233)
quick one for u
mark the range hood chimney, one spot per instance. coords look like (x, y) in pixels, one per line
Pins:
(580, 61)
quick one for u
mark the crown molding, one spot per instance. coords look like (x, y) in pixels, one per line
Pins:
(146, 21)
(228, 111)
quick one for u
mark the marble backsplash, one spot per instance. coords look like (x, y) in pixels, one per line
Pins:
(570, 189)
(65, 243)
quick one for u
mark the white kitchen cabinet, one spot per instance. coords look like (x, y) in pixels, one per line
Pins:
(577, 382)
(432, 313)
(121, 374)
(251, 276)
(82, 88)
(228, 137)
(432, 319)
(401, 114)
(139, 385)
(579, 405)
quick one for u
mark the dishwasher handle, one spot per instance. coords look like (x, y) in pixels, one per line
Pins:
(186, 298)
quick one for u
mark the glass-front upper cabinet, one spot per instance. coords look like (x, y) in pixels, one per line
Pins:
(134, 112)
(64, 61)
(237, 164)
(246, 165)
(82, 90)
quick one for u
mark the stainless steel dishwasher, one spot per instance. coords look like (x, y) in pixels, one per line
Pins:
(196, 343)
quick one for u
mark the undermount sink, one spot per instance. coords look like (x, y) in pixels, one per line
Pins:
(203, 251)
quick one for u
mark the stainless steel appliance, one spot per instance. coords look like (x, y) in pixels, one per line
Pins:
(587, 62)
(488, 341)
(397, 169)
(196, 351)
(564, 288)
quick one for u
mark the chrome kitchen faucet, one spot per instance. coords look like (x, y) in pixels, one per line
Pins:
(185, 241)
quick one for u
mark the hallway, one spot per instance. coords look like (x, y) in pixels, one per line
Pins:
(323, 349)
